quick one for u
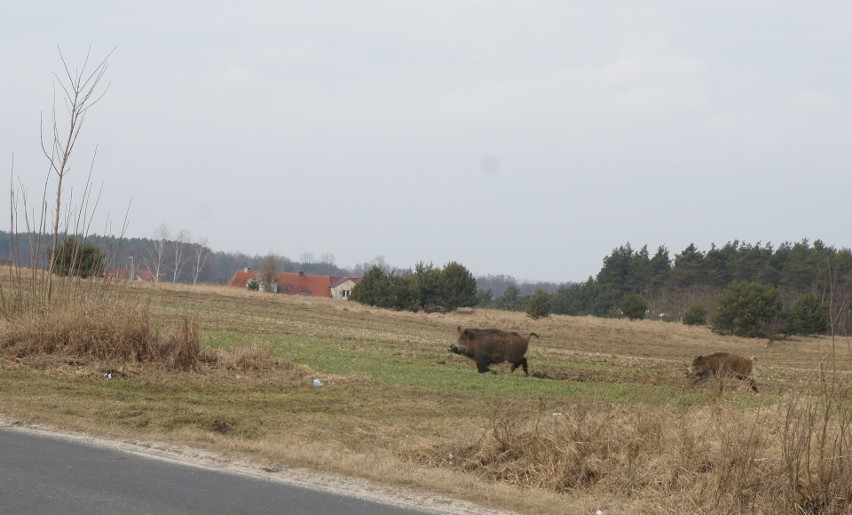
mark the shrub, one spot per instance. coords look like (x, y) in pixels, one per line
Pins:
(808, 316)
(634, 306)
(484, 298)
(695, 315)
(428, 284)
(80, 259)
(427, 287)
(406, 294)
(374, 289)
(511, 299)
(748, 309)
(539, 305)
(458, 286)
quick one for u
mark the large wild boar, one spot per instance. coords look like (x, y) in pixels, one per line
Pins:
(722, 364)
(487, 346)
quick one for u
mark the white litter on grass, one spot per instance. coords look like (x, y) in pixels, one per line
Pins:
(108, 375)
(317, 383)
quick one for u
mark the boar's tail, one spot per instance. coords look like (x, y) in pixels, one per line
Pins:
(753, 359)
(531, 335)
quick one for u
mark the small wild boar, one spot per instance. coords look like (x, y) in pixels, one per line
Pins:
(722, 364)
(487, 346)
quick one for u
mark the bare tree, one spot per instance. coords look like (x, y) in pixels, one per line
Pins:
(156, 257)
(307, 257)
(82, 89)
(183, 239)
(268, 268)
(378, 261)
(202, 252)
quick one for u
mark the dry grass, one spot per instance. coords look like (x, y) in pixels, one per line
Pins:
(606, 422)
(95, 330)
(640, 459)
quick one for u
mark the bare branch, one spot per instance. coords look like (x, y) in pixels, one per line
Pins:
(79, 89)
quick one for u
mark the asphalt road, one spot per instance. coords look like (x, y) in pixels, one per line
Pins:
(44, 475)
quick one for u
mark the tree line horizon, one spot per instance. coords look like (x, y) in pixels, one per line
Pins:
(670, 287)
(668, 284)
(739, 288)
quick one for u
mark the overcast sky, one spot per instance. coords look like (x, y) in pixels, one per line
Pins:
(527, 138)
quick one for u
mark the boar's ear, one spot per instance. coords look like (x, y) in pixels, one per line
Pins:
(459, 329)
(467, 333)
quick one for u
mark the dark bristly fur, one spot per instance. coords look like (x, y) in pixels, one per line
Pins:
(722, 364)
(487, 346)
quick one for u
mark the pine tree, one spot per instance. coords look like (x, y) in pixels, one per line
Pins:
(539, 305)
(76, 258)
(749, 309)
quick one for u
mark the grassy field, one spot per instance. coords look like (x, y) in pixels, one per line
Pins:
(606, 419)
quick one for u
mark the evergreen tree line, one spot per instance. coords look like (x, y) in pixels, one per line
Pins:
(799, 278)
(426, 287)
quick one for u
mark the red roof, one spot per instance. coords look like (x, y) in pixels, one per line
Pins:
(241, 277)
(293, 284)
(336, 280)
(315, 285)
(141, 274)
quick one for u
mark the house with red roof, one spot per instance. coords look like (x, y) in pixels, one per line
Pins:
(130, 274)
(328, 286)
(341, 287)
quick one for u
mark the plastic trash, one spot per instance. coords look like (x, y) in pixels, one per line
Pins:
(317, 383)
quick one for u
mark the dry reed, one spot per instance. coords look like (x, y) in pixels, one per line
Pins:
(99, 331)
(716, 458)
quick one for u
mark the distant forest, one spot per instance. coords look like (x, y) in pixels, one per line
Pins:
(669, 284)
(176, 261)
(190, 262)
(694, 277)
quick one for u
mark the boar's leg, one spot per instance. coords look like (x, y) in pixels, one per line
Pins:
(747, 378)
(522, 363)
(482, 365)
(699, 378)
(753, 384)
